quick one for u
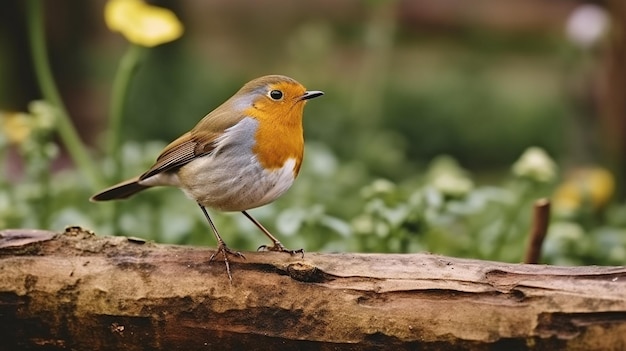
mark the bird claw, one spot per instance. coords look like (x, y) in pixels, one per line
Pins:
(225, 251)
(280, 248)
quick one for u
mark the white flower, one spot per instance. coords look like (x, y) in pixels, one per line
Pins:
(587, 24)
(448, 177)
(535, 164)
(451, 184)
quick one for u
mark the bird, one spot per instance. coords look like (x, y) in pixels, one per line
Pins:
(244, 154)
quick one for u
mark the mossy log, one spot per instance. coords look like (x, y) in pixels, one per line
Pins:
(78, 291)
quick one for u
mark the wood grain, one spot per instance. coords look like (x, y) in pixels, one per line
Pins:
(76, 290)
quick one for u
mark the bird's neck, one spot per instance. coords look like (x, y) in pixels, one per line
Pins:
(279, 138)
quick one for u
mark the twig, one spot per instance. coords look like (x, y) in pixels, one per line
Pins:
(541, 219)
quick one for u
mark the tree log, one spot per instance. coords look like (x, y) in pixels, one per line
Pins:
(78, 291)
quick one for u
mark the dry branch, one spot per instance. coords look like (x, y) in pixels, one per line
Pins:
(541, 220)
(78, 291)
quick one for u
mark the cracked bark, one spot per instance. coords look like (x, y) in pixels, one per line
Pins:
(75, 290)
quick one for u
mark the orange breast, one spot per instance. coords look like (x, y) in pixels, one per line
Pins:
(279, 136)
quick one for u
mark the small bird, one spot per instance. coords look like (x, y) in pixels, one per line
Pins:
(244, 154)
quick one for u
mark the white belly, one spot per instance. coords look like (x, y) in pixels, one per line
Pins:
(230, 178)
(229, 187)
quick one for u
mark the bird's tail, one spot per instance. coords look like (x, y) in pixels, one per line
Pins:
(120, 191)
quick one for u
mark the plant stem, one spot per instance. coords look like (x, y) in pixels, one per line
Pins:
(121, 83)
(69, 136)
(119, 95)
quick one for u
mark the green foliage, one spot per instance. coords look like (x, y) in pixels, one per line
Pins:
(334, 206)
(373, 179)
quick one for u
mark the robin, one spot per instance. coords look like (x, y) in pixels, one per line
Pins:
(244, 154)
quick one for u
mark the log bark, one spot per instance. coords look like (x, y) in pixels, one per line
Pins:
(78, 291)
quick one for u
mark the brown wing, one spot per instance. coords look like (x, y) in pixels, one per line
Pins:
(195, 143)
(176, 154)
(180, 152)
(201, 140)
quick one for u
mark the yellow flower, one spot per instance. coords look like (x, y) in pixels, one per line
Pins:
(592, 186)
(141, 23)
(16, 126)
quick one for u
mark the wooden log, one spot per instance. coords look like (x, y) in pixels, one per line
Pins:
(78, 291)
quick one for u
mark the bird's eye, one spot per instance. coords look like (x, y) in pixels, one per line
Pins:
(276, 95)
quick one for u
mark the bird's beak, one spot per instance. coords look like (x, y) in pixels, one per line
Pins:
(311, 94)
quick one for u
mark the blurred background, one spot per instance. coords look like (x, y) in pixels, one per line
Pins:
(442, 123)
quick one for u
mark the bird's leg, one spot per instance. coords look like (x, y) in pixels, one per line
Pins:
(221, 246)
(277, 246)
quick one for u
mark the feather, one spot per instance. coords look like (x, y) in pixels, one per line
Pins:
(119, 191)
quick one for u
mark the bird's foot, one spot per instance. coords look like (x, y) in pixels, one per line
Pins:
(225, 251)
(280, 248)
